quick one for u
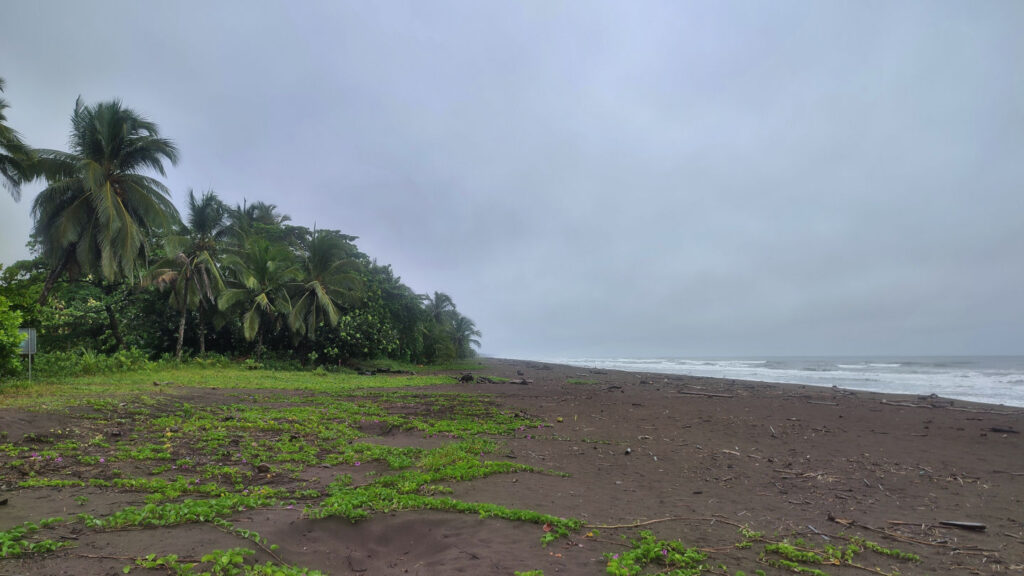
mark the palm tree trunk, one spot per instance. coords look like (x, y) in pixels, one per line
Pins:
(259, 345)
(181, 328)
(202, 327)
(115, 324)
(53, 276)
(115, 328)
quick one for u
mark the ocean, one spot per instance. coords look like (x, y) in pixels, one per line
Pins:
(990, 379)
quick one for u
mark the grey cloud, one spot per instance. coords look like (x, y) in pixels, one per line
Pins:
(592, 178)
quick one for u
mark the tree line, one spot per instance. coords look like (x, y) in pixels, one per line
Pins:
(115, 266)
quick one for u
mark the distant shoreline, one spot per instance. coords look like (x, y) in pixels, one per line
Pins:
(983, 380)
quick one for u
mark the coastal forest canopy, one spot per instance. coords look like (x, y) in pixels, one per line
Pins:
(116, 269)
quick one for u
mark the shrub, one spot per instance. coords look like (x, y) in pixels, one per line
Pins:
(10, 339)
(84, 362)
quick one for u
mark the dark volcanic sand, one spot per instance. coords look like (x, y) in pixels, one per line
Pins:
(778, 458)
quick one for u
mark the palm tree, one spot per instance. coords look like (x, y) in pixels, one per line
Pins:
(209, 227)
(464, 336)
(261, 275)
(207, 220)
(15, 155)
(99, 206)
(190, 267)
(439, 307)
(257, 218)
(328, 280)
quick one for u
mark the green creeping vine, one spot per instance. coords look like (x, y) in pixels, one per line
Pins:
(677, 559)
(409, 489)
(798, 557)
(172, 514)
(892, 553)
(217, 453)
(13, 542)
(222, 563)
(792, 558)
(50, 483)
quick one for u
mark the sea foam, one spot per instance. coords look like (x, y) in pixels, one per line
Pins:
(990, 379)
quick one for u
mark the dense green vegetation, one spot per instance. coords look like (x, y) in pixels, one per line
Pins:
(117, 269)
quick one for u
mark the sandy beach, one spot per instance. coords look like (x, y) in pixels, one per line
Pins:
(780, 459)
(688, 458)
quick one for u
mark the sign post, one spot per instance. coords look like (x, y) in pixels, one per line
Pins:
(28, 347)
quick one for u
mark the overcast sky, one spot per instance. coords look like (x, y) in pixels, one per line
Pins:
(589, 178)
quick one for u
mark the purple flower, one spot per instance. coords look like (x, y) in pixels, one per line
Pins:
(358, 462)
(102, 460)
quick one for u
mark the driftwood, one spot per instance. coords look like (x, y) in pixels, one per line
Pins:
(905, 404)
(904, 538)
(945, 406)
(976, 526)
(711, 394)
(999, 412)
(823, 403)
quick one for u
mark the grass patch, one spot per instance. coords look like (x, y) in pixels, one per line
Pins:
(210, 442)
(73, 390)
(199, 455)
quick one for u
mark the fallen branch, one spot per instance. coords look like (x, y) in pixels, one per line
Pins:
(946, 407)
(711, 394)
(976, 526)
(111, 557)
(823, 403)
(905, 404)
(255, 541)
(845, 522)
(638, 523)
(999, 412)
(902, 523)
(872, 570)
